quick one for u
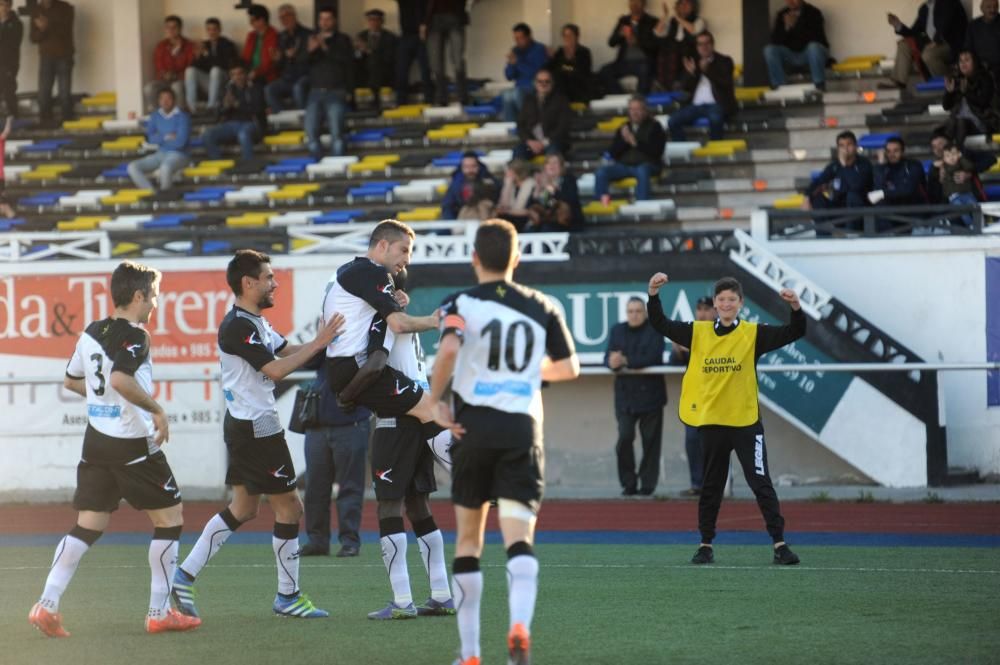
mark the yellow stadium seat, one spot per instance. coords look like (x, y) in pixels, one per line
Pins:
(46, 172)
(864, 58)
(293, 192)
(405, 111)
(219, 163)
(996, 138)
(579, 107)
(626, 183)
(100, 99)
(88, 123)
(373, 163)
(301, 243)
(441, 189)
(737, 71)
(713, 151)
(124, 143)
(612, 124)
(993, 169)
(291, 137)
(444, 134)
(124, 248)
(792, 202)
(598, 208)
(735, 144)
(126, 197)
(248, 220)
(420, 214)
(750, 94)
(81, 223)
(858, 66)
(202, 171)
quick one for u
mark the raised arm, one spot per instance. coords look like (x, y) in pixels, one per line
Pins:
(770, 338)
(676, 331)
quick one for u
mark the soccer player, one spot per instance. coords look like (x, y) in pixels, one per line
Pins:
(499, 340)
(719, 397)
(403, 475)
(363, 291)
(121, 456)
(253, 356)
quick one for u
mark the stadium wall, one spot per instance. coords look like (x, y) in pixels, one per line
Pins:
(931, 295)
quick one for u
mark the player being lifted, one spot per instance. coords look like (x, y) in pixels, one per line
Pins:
(121, 456)
(499, 340)
(403, 472)
(253, 357)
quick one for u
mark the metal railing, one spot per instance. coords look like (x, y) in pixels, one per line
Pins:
(875, 222)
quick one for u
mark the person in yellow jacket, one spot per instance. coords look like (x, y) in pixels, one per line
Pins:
(719, 397)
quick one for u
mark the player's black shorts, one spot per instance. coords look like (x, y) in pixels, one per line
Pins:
(262, 466)
(402, 462)
(147, 485)
(391, 394)
(500, 456)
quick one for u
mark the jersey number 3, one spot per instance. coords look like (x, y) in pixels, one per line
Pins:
(497, 339)
(98, 372)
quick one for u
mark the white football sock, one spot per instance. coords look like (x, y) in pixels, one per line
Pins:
(69, 551)
(212, 537)
(432, 554)
(522, 587)
(394, 558)
(286, 555)
(468, 590)
(162, 564)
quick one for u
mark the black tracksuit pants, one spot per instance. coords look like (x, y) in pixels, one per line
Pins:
(717, 443)
(651, 430)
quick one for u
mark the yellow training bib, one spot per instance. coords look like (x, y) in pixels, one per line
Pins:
(720, 385)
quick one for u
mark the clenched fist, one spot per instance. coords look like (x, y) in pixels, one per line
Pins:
(656, 282)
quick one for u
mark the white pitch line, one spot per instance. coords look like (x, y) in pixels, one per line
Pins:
(593, 566)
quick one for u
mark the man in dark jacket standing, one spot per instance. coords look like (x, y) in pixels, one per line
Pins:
(52, 30)
(11, 34)
(336, 450)
(331, 82)
(635, 40)
(638, 398)
(709, 84)
(931, 43)
(798, 40)
(543, 123)
(637, 151)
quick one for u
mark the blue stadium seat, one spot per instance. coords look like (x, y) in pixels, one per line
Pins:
(120, 171)
(48, 145)
(375, 188)
(928, 165)
(290, 165)
(167, 221)
(453, 159)
(936, 84)
(209, 193)
(42, 199)
(371, 135)
(11, 224)
(992, 192)
(337, 217)
(662, 98)
(480, 110)
(216, 247)
(876, 141)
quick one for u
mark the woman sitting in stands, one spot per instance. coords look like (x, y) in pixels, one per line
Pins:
(970, 96)
(556, 201)
(515, 196)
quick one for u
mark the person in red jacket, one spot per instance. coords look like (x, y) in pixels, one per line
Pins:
(261, 46)
(170, 58)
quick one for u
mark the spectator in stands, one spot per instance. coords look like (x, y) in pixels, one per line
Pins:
(798, 40)
(516, 194)
(982, 160)
(52, 30)
(412, 47)
(472, 192)
(543, 124)
(958, 191)
(931, 43)
(572, 67)
(11, 35)
(331, 82)
(639, 398)
(982, 37)
(242, 116)
(5, 208)
(845, 182)
(523, 62)
(336, 449)
(636, 151)
(636, 43)
(899, 181)
(293, 62)
(260, 50)
(555, 203)
(171, 57)
(704, 310)
(970, 98)
(376, 55)
(675, 38)
(169, 129)
(444, 26)
(708, 80)
(208, 71)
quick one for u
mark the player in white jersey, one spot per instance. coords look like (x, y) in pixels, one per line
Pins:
(499, 341)
(121, 456)
(403, 477)
(253, 356)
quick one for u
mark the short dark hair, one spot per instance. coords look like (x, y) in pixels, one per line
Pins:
(896, 139)
(390, 230)
(847, 134)
(174, 18)
(705, 33)
(166, 89)
(951, 145)
(572, 27)
(245, 263)
(470, 154)
(130, 277)
(939, 132)
(496, 244)
(259, 11)
(728, 284)
(522, 27)
(327, 10)
(211, 20)
(636, 299)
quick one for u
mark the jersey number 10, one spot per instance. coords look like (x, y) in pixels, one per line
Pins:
(497, 339)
